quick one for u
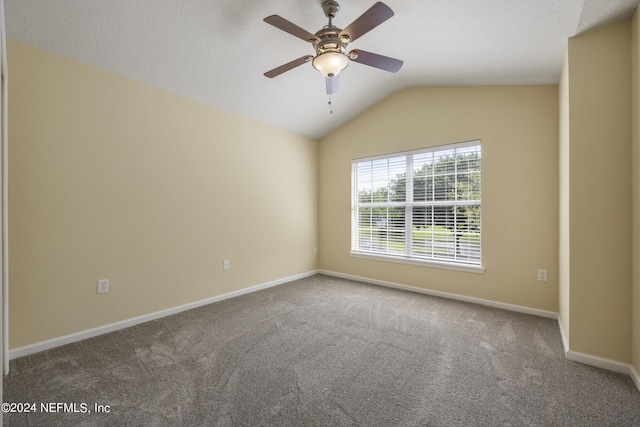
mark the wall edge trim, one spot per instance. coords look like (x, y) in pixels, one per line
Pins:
(111, 327)
(563, 336)
(574, 356)
(598, 362)
(480, 301)
(634, 376)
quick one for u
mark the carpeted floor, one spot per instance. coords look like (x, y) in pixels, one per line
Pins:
(323, 351)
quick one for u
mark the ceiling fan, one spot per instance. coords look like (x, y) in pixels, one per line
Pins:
(330, 43)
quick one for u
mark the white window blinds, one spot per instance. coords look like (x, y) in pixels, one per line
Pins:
(421, 205)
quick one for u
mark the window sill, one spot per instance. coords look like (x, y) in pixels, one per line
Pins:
(423, 263)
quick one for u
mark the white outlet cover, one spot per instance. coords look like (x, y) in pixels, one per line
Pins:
(542, 275)
(103, 286)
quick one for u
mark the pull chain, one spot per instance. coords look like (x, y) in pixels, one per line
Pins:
(330, 104)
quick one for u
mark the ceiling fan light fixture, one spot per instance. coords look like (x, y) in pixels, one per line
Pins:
(330, 43)
(330, 63)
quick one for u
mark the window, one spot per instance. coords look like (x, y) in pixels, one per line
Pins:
(421, 206)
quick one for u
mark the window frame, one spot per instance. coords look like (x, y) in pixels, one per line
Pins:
(409, 204)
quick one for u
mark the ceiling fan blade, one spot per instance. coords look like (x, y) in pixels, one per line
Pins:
(333, 84)
(374, 16)
(374, 60)
(288, 66)
(291, 28)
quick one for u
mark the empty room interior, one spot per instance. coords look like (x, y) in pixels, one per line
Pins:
(154, 170)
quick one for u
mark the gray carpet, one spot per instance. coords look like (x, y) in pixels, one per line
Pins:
(323, 351)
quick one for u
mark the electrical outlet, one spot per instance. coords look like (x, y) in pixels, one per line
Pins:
(225, 264)
(542, 275)
(103, 286)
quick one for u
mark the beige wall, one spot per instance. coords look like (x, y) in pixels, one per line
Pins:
(518, 127)
(635, 140)
(110, 178)
(599, 193)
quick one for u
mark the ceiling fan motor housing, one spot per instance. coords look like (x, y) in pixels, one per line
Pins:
(330, 47)
(329, 41)
(329, 37)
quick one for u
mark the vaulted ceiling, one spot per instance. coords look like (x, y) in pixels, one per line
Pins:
(216, 51)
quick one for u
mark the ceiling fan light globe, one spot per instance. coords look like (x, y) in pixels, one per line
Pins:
(330, 63)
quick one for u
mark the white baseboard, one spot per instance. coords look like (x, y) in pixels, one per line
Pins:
(574, 356)
(480, 301)
(585, 359)
(90, 333)
(598, 362)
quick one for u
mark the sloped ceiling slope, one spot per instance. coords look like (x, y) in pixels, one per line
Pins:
(217, 51)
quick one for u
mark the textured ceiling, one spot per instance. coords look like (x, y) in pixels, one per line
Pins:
(216, 51)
